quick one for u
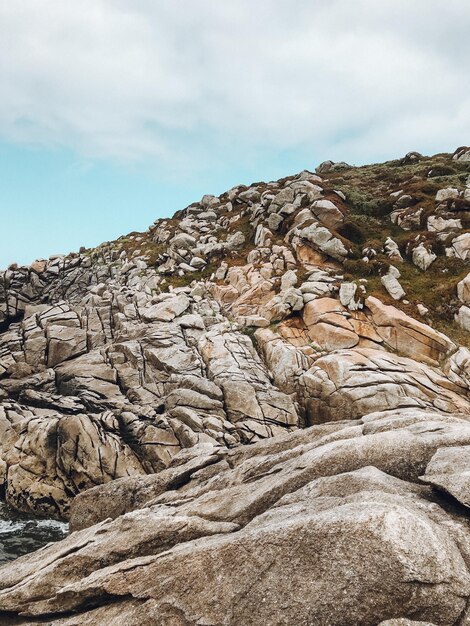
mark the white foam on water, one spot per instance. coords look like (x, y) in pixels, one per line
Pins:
(20, 533)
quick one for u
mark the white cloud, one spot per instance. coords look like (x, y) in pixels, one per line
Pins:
(177, 80)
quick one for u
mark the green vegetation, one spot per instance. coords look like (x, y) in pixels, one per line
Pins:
(436, 289)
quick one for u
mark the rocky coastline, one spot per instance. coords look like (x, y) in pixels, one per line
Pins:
(256, 412)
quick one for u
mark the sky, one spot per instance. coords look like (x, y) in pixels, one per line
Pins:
(114, 113)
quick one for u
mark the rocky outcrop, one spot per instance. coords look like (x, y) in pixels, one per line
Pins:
(241, 399)
(163, 379)
(337, 506)
(462, 154)
(109, 368)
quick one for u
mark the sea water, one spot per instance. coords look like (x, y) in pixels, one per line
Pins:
(21, 533)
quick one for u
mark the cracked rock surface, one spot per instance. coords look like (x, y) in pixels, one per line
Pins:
(216, 538)
(243, 422)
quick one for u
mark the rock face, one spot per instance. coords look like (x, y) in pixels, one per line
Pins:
(240, 415)
(337, 505)
(84, 409)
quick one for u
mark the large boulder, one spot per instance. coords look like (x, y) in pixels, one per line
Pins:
(422, 257)
(351, 383)
(408, 336)
(448, 470)
(328, 521)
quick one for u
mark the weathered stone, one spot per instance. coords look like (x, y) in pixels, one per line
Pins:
(132, 374)
(347, 293)
(167, 310)
(463, 290)
(463, 317)
(393, 287)
(439, 224)
(449, 193)
(449, 470)
(64, 343)
(351, 383)
(322, 239)
(407, 335)
(422, 257)
(460, 247)
(327, 213)
(392, 250)
(337, 503)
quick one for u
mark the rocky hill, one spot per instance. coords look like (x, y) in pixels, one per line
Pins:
(323, 319)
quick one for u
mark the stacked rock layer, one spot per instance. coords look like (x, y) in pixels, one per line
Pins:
(256, 412)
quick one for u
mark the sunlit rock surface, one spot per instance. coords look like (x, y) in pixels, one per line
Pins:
(255, 412)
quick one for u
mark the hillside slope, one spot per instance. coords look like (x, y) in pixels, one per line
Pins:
(323, 319)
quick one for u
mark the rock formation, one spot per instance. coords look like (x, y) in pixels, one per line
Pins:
(256, 412)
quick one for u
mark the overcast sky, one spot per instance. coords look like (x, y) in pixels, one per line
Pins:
(116, 112)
